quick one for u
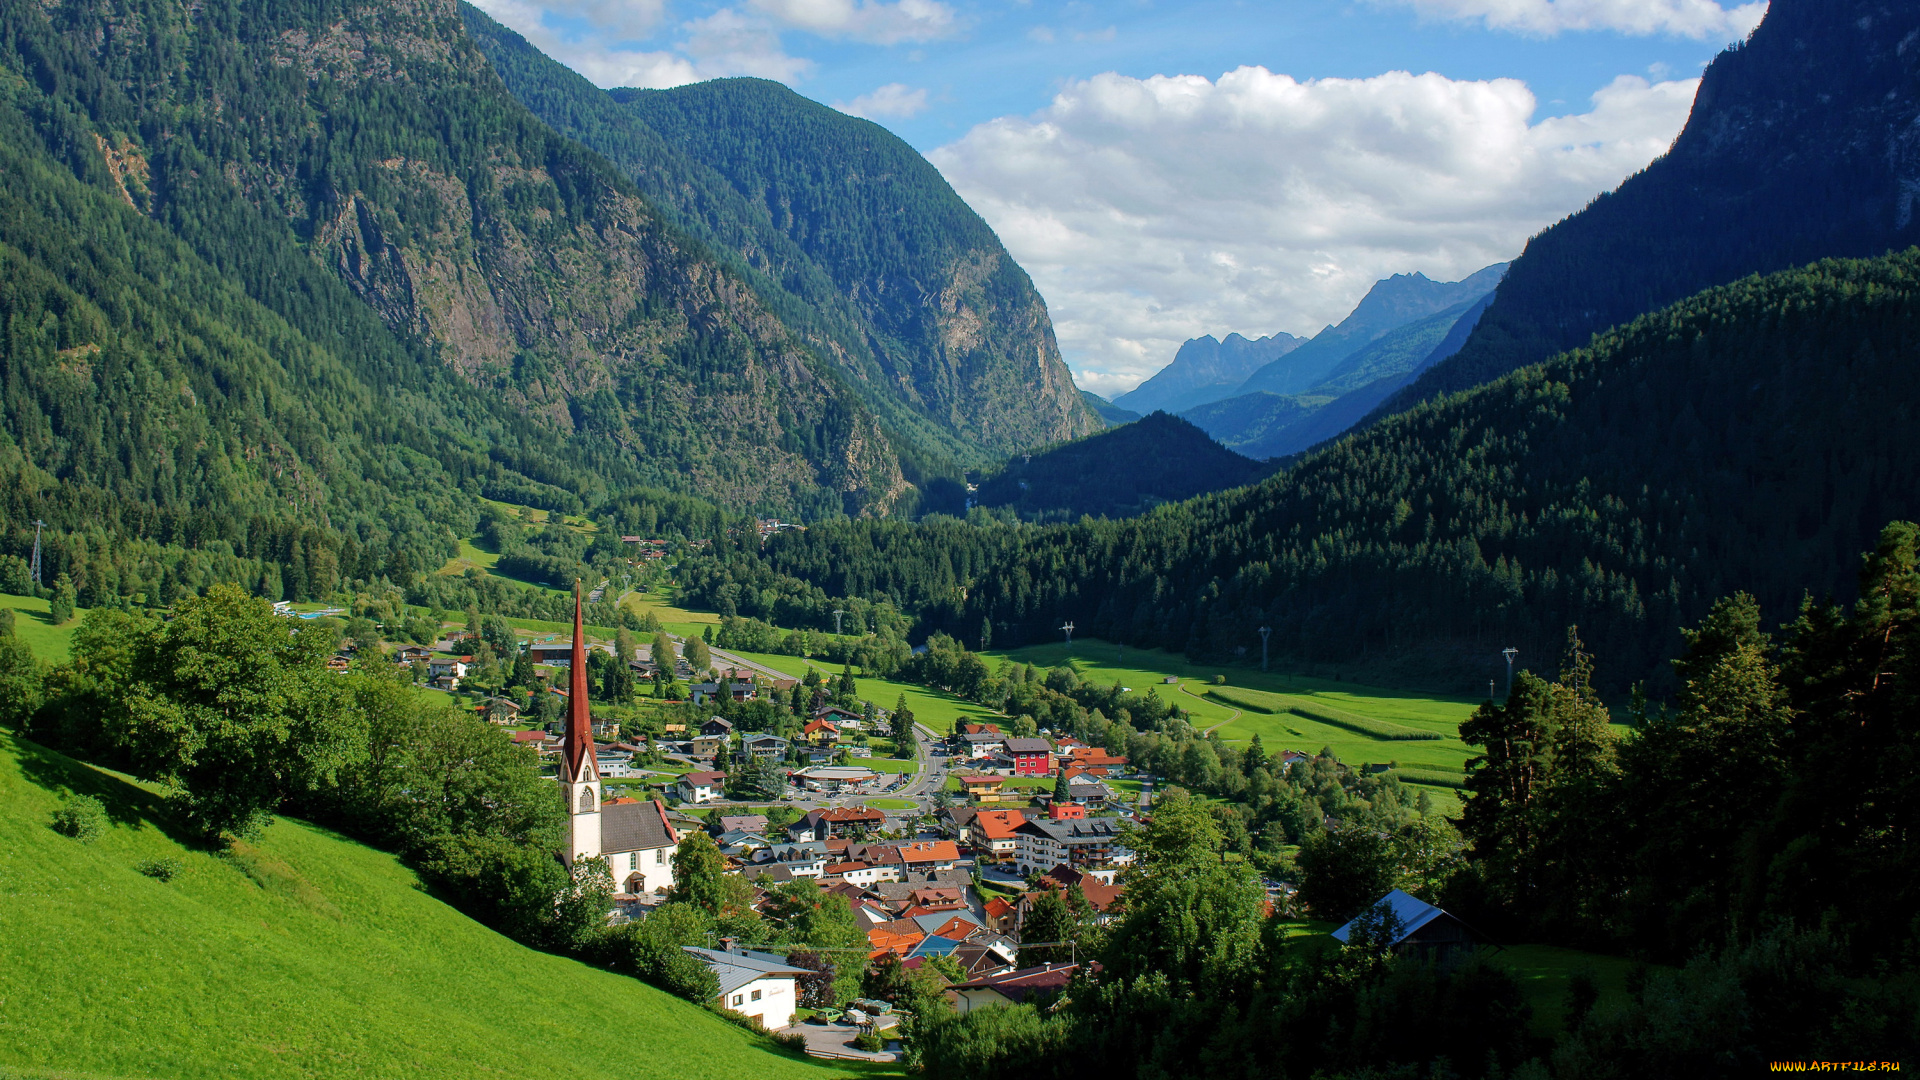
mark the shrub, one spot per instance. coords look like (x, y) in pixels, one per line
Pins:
(81, 818)
(158, 869)
(869, 1042)
(1219, 680)
(792, 1040)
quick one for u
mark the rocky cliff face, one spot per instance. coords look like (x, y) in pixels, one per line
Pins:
(379, 134)
(1803, 143)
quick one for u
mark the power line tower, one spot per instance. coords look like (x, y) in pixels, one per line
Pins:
(1265, 632)
(1509, 652)
(1068, 627)
(837, 612)
(33, 571)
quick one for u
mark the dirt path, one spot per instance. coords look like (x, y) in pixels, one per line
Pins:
(1210, 701)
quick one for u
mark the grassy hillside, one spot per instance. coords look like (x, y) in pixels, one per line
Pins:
(301, 954)
(33, 625)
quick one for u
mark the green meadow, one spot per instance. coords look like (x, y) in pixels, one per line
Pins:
(32, 625)
(298, 954)
(935, 709)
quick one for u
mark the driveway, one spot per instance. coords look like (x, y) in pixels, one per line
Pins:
(836, 1041)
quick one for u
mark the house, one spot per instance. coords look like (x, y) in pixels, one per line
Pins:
(1095, 760)
(764, 747)
(707, 746)
(1012, 987)
(739, 844)
(979, 744)
(613, 760)
(1089, 792)
(1031, 757)
(985, 789)
(726, 823)
(638, 843)
(559, 653)
(800, 860)
(831, 822)
(996, 833)
(539, 740)
(499, 710)
(821, 732)
(1420, 928)
(760, 985)
(699, 693)
(447, 666)
(717, 727)
(934, 945)
(929, 855)
(956, 822)
(947, 924)
(898, 937)
(1043, 844)
(414, 654)
(701, 787)
(979, 729)
(820, 755)
(855, 872)
(339, 664)
(839, 717)
(1102, 896)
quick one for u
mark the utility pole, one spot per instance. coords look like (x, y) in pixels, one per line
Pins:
(1265, 632)
(837, 612)
(1068, 627)
(1489, 689)
(1509, 652)
(34, 570)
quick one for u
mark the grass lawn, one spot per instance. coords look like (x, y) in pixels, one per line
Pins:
(892, 804)
(885, 765)
(937, 710)
(469, 558)
(300, 954)
(1102, 662)
(1545, 971)
(31, 625)
(677, 620)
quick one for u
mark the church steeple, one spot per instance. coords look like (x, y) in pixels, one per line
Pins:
(579, 769)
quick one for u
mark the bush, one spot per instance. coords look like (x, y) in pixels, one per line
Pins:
(158, 869)
(1219, 680)
(81, 818)
(631, 949)
(790, 1041)
(869, 1042)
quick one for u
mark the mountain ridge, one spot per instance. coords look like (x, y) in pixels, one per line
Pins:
(1203, 366)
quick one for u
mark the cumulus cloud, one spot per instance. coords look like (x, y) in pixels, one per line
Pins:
(1154, 210)
(892, 101)
(1703, 19)
(864, 20)
(728, 42)
(732, 42)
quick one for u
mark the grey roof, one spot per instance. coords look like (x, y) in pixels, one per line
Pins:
(752, 823)
(634, 826)
(808, 851)
(740, 967)
(935, 920)
(982, 737)
(1077, 831)
(1029, 746)
(914, 879)
(776, 873)
(762, 738)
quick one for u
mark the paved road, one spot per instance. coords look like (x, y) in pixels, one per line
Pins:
(836, 1040)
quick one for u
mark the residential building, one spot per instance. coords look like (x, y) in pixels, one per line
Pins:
(1031, 757)
(706, 746)
(1044, 844)
(701, 787)
(832, 778)
(764, 747)
(956, 822)
(760, 985)
(800, 860)
(1423, 930)
(855, 872)
(821, 732)
(983, 789)
(996, 833)
(929, 855)
(701, 693)
(726, 823)
(831, 822)
(1012, 987)
(717, 727)
(638, 843)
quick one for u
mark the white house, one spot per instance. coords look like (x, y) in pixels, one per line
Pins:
(702, 787)
(638, 844)
(761, 985)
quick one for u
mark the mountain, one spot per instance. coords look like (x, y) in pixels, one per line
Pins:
(1391, 304)
(845, 232)
(1119, 473)
(1267, 425)
(1113, 414)
(294, 360)
(1801, 145)
(1206, 370)
(1754, 437)
(134, 976)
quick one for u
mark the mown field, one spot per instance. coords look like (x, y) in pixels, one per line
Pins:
(301, 954)
(936, 709)
(1141, 669)
(31, 625)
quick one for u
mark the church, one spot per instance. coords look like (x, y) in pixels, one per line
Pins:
(634, 837)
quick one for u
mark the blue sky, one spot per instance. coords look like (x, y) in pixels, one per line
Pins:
(1167, 170)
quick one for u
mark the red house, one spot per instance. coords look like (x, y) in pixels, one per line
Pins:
(1031, 757)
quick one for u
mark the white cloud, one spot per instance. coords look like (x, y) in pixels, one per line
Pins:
(731, 42)
(865, 20)
(1702, 19)
(894, 100)
(727, 42)
(1154, 210)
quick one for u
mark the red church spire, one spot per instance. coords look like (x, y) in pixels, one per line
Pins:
(579, 743)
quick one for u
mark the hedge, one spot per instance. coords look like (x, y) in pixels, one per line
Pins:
(1429, 777)
(1255, 700)
(1364, 725)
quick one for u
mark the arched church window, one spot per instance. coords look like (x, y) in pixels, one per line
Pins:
(586, 800)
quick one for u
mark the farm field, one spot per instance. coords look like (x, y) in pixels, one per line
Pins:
(298, 954)
(885, 765)
(48, 642)
(677, 620)
(1141, 669)
(937, 710)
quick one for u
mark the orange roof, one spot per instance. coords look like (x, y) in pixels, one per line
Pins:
(886, 941)
(819, 725)
(998, 908)
(930, 851)
(999, 824)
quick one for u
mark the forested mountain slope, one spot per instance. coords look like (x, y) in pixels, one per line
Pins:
(1119, 473)
(1753, 437)
(845, 231)
(307, 276)
(1802, 145)
(1205, 369)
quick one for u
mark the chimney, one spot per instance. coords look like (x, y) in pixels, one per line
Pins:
(727, 944)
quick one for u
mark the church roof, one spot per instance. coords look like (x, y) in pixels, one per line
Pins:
(579, 756)
(635, 826)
